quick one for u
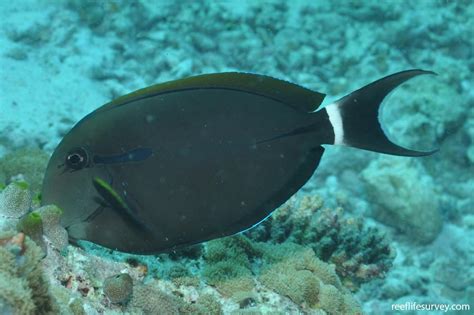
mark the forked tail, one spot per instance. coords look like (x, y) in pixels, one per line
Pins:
(355, 117)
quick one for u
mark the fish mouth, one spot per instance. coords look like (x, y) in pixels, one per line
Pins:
(73, 240)
(76, 232)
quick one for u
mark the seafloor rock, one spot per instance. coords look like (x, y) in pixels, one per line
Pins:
(23, 287)
(404, 196)
(425, 120)
(470, 132)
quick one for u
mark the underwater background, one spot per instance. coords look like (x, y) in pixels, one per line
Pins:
(367, 232)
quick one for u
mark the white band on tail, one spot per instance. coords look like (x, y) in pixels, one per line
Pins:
(336, 121)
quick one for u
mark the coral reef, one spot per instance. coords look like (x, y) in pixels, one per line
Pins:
(289, 269)
(119, 288)
(360, 254)
(332, 47)
(404, 197)
(470, 134)
(32, 225)
(52, 228)
(442, 270)
(15, 200)
(296, 278)
(23, 288)
(419, 126)
(15, 209)
(150, 300)
(228, 264)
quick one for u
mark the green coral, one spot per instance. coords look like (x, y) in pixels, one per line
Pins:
(32, 225)
(206, 304)
(148, 299)
(334, 301)
(180, 275)
(306, 280)
(232, 264)
(301, 286)
(228, 264)
(23, 288)
(22, 185)
(237, 249)
(15, 202)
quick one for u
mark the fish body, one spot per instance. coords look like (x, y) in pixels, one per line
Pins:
(195, 159)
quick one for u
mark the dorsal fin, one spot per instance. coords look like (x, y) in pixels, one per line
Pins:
(291, 94)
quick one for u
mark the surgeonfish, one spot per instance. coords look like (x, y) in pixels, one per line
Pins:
(191, 160)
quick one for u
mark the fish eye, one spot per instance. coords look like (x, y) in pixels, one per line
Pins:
(77, 159)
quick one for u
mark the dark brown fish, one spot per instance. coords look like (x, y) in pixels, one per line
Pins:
(204, 157)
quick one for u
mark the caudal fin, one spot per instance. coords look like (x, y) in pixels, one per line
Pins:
(355, 117)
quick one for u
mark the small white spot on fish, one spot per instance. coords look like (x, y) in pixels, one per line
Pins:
(149, 118)
(242, 203)
(282, 156)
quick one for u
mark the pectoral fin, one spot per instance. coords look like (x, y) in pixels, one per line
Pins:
(114, 201)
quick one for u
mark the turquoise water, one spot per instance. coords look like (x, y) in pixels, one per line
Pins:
(398, 231)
